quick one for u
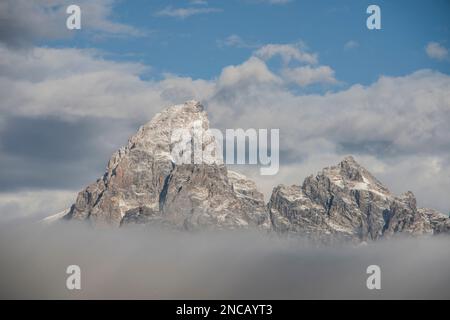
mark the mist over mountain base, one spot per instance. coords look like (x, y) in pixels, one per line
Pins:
(146, 263)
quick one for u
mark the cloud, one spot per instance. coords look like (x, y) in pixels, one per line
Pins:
(278, 1)
(416, 105)
(41, 64)
(253, 71)
(212, 265)
(97, 18)
(72, 83)
(37, 150)
(24, 22)
(275, 2)
(183, 13)
(292, 55)
(351, 44)
(33, 205)
(288, 52)
(198, 2)
(235, 41)
(436, 51)
(307, 75)
(21, 22)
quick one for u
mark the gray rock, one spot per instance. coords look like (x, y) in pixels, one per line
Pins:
(346, 202)
(440, 223)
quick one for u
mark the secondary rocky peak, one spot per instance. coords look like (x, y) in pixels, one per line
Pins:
(348, 175)
(346, 202)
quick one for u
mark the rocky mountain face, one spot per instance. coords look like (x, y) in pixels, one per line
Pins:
(143, 185)
(347, 202)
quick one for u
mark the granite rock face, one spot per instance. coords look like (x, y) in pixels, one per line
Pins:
(143, 184)
(346, 202)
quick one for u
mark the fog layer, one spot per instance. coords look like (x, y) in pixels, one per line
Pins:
(153, 264)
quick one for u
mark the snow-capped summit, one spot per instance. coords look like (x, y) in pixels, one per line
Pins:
(143, 184)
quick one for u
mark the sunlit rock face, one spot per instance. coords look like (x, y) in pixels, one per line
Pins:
(347, 202)
(143, 184)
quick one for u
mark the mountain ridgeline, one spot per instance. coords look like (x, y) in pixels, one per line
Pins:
(143, 185)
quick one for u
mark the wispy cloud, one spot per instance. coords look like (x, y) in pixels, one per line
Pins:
(436, 51)
(198, 2)
(183, 13)
(236, 41)
(278, 1)
(288, 52)
(275, 1)
(351, 44)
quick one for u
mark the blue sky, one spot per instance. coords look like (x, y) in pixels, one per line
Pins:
(191, 46)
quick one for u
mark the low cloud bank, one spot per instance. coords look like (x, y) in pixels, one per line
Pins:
(149, 263)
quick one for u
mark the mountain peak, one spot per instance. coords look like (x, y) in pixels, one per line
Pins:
(144, 184)
(157, 133)
(351, 169)
(196, 105)
(349, 159)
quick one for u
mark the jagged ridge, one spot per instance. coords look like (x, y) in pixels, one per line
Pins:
(347, 202)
